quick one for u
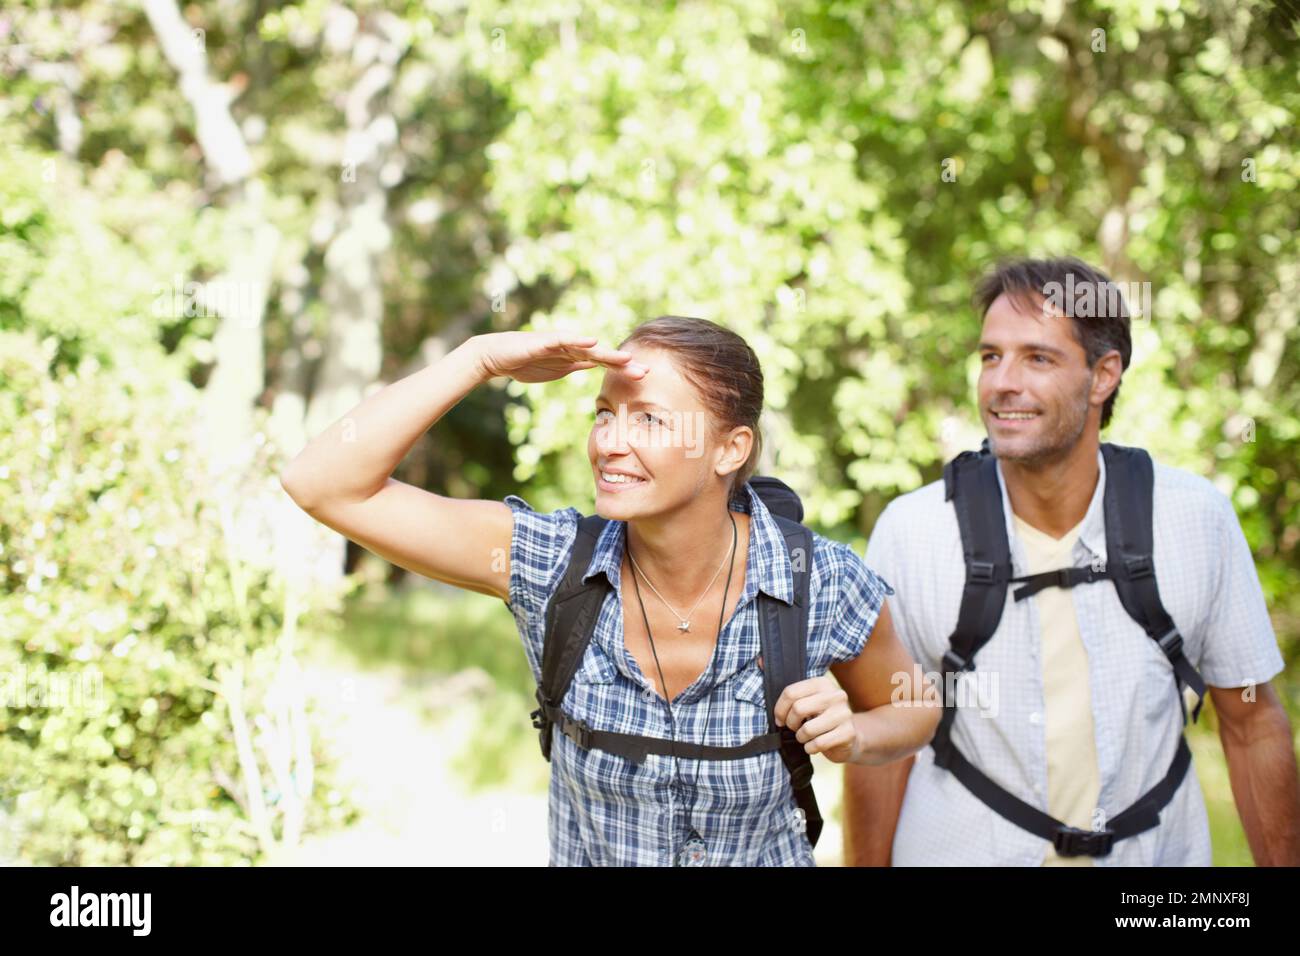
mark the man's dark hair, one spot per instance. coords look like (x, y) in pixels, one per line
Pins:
(1093, 302)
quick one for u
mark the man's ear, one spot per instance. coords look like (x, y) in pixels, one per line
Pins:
(1106, 374)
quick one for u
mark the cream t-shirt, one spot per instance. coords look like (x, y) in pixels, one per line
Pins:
(1073, 780)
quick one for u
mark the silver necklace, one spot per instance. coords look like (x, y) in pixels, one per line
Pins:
(685, 624)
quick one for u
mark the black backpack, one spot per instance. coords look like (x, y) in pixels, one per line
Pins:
(783, 628)
(971, 483)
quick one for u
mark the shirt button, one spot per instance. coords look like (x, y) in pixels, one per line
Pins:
(1035, 718)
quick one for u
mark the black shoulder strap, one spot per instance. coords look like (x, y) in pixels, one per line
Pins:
(971, 482)
(570, 621)
(783, 636)
(779, 498)
(1130, 482)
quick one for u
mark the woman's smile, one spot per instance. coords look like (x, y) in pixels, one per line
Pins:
(614, 481)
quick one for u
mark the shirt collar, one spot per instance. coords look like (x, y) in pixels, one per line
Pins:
(1092, 534)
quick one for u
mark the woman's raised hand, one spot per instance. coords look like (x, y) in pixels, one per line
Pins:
(546, 356)
(346, 483)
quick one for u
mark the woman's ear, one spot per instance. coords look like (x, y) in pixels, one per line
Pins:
(736, 448)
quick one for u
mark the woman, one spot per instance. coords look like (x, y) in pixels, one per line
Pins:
(675, 651)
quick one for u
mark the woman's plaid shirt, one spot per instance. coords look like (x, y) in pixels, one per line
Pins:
(607, 810)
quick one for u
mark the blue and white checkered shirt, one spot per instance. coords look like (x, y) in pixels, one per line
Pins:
(606, 810)
(1209, 586)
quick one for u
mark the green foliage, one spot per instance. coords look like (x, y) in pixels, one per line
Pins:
(97, 266)
(121, 607)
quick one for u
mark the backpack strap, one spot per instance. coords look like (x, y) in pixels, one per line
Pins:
(570, 622)
(778, 497)
(783, 634)
(1130, 481)
(971, 482)
(1060, 578)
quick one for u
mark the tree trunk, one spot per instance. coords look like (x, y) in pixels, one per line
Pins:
(352, 290)
(239, 294)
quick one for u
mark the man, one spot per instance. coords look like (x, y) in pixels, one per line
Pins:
(1076, 714)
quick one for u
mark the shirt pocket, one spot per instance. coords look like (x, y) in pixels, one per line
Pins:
(748, 690)
(590, 696)
(596, 667)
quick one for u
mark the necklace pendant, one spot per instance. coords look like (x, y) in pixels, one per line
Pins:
(684, 626)
(692, 851)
